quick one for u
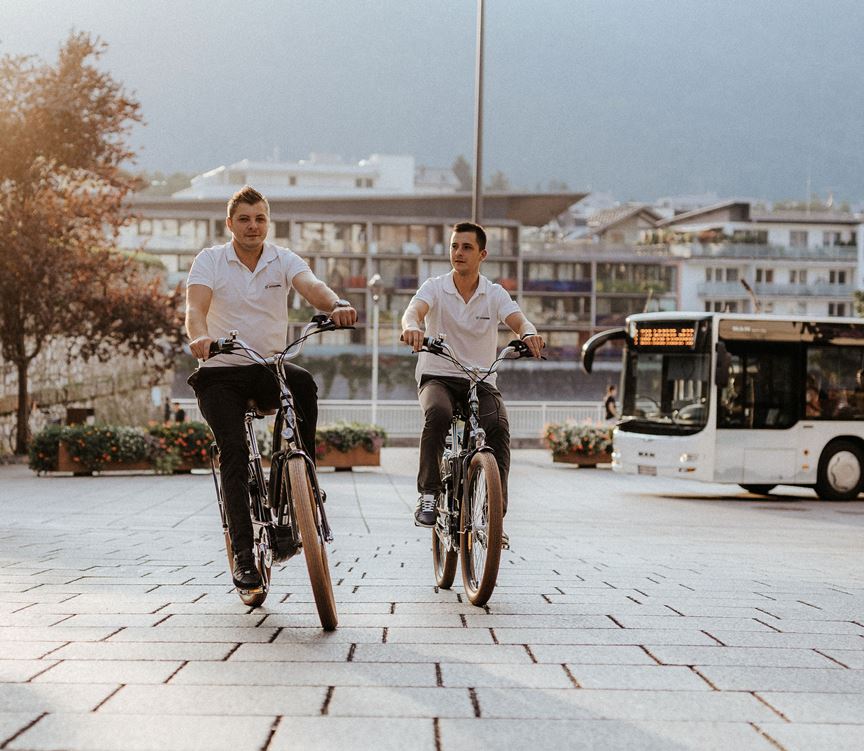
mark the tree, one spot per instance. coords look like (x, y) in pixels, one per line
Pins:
(63, 131)
(499, 182)
(464, 174)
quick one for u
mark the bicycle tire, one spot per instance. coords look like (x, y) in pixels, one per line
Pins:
(313, 543)
(255, 598)
(482, 525)
(443, 561)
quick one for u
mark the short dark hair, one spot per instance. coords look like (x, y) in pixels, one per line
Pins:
(478, 231)
(246, 194)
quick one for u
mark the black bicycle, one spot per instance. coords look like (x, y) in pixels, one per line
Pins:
(470, 517)
(288, 509)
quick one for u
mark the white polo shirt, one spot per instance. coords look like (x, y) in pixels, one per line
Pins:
(471, 328)
(255, 303)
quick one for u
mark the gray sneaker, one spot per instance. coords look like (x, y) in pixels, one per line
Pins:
(425, 510)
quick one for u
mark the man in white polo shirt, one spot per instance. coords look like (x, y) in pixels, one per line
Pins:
(466, 307)
(243, 285)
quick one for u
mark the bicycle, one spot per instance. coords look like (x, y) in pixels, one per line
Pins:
(288, 511)
(470, 518)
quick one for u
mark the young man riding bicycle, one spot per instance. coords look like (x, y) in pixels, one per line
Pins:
(243, 285)
(466, 307)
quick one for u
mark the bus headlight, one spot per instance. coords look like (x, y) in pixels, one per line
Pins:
(686, 458)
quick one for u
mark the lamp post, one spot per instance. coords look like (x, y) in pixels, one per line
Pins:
(375, 285)
(477, 198)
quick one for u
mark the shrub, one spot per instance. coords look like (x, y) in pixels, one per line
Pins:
(94, 446)
(186, 442)
(578, 438)
(44, 447)
(344, 436)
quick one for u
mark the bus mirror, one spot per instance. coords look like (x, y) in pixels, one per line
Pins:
(724, 364)
(595, 342)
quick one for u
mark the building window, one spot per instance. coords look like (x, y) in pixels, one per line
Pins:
(282, 229)
(368, 182)
(829, 239)
(292, 180)
(358, 182)
(837, 277)
(798, 238)
(145, 227)
(837, 309)
(709, 274)
(798, 276)
(731, 275)
(764, 276)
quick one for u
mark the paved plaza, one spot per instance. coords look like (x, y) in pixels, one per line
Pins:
(631, 613)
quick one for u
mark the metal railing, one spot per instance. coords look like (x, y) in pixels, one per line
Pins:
(404, 419)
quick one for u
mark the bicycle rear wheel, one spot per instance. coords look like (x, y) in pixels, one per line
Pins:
(443, 560)
(482, 524)
(300, 492)
(252, 598)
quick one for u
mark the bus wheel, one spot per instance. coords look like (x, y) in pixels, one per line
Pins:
(759, 489)
(841, 470)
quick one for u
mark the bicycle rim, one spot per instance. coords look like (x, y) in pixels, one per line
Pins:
(312, 541)
(443, 560)
(482, 526)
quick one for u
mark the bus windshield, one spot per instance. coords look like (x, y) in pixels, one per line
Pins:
(666, 379)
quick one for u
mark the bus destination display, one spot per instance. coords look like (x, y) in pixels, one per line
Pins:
(667, 336)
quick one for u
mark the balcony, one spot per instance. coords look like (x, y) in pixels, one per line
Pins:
(557, 285)
(734, 290)
(845, 253)
(590, 251)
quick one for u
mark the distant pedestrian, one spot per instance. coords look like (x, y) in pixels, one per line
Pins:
(179, 413)
(609, 403)
(166, 410)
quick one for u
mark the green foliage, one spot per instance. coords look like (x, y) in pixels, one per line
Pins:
(578, 438)
(189, 442)
(96, 447)
(344, 436)
(44, 448)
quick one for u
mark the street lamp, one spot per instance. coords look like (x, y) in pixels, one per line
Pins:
(375, 285)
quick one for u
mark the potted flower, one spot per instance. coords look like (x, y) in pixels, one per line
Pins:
(583, 443)
(180, 446)
(344, 445)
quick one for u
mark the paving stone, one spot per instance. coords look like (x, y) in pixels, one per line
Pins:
(851, 658)
(815, 737)
(328, 733)
(305, 674)
(439, 636)
(144, 651)
(589, 735)
(817, 707)
(591, 655)
(603, 636)
(504, 675)
(22, 670)
(652, 677)
(168, 634)
(743, 656)
(48, 697)
(821, 642)
(624, 704)
(172, 699)
(102, 731)
(27, 650)
(451, 653)
(376, 701)
(110, 671)
(784, 679)
(282, 652)
(13, 722)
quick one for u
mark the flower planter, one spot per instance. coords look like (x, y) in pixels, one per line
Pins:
(354, 457)
(583, 460)
(65, 463)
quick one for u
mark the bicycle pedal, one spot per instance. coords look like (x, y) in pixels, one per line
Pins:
(255, 591)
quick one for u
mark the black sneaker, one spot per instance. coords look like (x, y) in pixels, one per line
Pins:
(425, 510)
(245, 575)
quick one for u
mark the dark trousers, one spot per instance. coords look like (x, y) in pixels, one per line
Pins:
(439, 397)
(223, 395)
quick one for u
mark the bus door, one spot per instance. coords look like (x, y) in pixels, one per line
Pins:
(757, 414)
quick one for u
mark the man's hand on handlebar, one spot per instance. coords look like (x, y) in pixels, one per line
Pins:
(413, 338)
(344, 316)
(535, 343)
(200, 346)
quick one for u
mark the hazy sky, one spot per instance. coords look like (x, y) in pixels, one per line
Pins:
(641, 98)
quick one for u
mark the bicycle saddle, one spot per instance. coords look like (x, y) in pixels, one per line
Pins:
(253, 405)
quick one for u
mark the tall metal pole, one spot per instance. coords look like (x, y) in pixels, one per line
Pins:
(374, 285)
(477, 200)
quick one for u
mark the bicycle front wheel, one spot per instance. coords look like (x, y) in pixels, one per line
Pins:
(482, 524)
(300, 492)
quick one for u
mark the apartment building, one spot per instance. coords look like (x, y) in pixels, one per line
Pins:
(796, 262)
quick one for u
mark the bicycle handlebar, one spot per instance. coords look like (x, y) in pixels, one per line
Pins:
(228, 344)
(437, 346)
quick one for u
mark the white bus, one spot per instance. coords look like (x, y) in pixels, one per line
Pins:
(757, 400)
